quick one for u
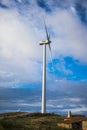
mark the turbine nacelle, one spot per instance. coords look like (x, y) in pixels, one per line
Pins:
(45, 42)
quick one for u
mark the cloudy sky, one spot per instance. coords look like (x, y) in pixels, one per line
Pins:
(22, 29)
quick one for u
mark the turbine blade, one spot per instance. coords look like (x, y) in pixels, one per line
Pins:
(46, 30)
(51, 56)
(50, 48)
(49, 37)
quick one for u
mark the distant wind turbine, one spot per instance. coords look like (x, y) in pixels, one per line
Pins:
(44, 43)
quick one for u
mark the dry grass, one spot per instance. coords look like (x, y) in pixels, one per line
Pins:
(32, 121)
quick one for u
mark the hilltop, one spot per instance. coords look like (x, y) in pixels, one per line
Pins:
(30, 121)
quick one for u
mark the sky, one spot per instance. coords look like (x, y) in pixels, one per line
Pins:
(21, 31)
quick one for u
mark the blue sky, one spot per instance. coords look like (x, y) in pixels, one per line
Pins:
(21, 30)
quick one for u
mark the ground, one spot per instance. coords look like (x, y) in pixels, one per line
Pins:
(30, 121)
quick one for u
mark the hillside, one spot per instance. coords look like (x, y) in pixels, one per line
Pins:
(29, 121)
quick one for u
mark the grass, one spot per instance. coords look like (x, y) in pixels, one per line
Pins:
(32, 121)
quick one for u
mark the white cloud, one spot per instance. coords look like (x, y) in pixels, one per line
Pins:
(70, 34)
(20, 53)
(77, 110)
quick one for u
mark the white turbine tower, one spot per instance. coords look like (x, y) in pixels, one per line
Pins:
(44, 43)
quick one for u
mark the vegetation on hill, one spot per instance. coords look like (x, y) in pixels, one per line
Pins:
(30, 121)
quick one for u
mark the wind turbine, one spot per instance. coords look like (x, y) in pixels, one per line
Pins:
(44, 43)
